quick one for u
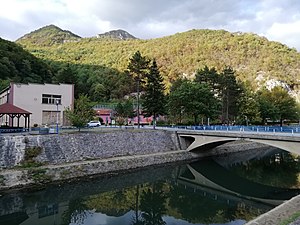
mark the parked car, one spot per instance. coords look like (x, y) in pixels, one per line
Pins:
(94, 124)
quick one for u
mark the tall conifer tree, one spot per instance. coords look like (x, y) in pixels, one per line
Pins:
(138, 66)
(154, 98)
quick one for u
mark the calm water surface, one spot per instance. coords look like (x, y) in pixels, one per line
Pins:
(228, 190)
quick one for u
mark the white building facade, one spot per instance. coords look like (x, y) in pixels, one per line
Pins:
(46, 102)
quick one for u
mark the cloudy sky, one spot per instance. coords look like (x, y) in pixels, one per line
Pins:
(278, 20)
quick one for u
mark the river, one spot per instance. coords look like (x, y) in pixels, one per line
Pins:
(223, 190)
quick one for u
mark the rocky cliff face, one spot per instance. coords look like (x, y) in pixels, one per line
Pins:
(117, 34)
(270, 83)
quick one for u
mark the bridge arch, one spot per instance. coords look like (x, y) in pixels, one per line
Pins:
(229, 182)
(191, 142)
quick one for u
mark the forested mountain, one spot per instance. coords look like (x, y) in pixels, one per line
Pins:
(227, 71)
(250, 55)
(117, 34)
(49, 35)
(16, 64)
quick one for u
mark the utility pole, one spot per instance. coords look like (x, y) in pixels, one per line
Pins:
(138, 101)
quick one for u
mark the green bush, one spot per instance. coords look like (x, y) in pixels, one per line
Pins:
(30, 155)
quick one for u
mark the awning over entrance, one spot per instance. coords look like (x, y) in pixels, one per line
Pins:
(13, 112)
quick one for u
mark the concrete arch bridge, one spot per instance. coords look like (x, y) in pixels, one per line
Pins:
(197, 141)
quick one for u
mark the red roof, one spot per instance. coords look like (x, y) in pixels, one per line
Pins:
(8, 108)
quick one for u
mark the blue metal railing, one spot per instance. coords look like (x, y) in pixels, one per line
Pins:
(237, 128)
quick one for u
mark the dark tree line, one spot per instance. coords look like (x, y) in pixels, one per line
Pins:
(18, 65)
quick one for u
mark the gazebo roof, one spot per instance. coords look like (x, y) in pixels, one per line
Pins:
(8, 108)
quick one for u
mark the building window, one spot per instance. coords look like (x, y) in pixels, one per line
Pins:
(51, 99)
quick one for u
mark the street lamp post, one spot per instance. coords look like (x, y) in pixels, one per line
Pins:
(138, 102)
(57, 102)
(246, 118)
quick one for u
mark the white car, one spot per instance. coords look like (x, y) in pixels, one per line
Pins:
(94, 124)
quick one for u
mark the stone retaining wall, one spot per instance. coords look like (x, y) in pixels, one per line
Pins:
(66, 148)
(46, 174)
(69, 156)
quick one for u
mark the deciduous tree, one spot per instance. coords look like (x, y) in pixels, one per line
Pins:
(191, 99)
(248, 107)
(124, 111)
(82, 112)
(277, 104)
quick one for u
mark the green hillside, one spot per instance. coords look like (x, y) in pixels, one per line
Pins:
(49, 35)
(183, 53)
(18, 65)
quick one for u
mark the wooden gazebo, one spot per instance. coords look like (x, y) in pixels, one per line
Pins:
(13, 112)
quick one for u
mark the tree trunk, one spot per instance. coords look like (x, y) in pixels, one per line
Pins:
(281, 122)
(154, 121)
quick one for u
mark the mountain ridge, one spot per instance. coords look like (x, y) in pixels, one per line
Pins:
(117, 34)
(49, 35)
(250, 55)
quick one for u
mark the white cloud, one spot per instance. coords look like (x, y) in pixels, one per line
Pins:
(288, 33)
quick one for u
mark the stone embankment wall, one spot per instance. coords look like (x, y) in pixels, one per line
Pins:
(69, 156)
(67, 148)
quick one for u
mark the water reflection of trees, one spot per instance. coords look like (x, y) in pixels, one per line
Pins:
(112, 203)
(149, 202)
(76, 213)
(152, 205)
(198, 208)
(280, 170)
(149, 205)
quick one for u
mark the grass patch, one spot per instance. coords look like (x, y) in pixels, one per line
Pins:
(2, 180)
(31, 153)
(39, 175)
(29, 157)
(291, 219)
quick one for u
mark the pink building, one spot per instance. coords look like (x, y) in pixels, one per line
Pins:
(45, 102)
(107, 115)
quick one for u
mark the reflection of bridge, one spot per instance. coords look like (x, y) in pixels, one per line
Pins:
(208, 173)
(198, 140)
